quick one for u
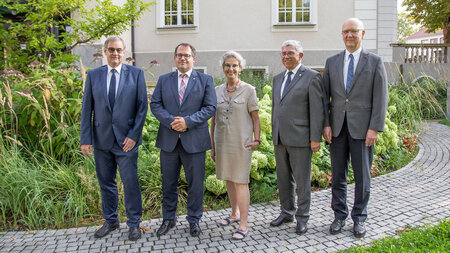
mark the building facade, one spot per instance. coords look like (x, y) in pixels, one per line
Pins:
(256, 29)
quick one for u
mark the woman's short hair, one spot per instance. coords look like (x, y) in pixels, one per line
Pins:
(235, 55)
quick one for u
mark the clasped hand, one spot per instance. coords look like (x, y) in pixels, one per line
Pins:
(178, 124)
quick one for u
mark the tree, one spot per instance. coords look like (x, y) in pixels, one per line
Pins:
(432, 14)
(405, 27)
(50, 29)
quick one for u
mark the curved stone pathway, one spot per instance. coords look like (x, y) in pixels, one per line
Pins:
(414, 195)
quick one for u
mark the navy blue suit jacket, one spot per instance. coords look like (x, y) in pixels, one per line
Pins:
(99, 122)
(198, 105)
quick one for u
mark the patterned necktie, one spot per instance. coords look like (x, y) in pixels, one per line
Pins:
(288, 81)
(349, 74)
(112, 89)
(182, 87)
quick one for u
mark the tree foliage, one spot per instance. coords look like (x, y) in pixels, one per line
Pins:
(75, 21)
(405, 27)
(432, 14)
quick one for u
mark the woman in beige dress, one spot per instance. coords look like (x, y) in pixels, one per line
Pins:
(234, 134)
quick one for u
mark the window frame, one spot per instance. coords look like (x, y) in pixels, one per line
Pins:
(161, 15)
(313, 11)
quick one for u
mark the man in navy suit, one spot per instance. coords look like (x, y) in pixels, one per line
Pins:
(183, 101)
(112, 117)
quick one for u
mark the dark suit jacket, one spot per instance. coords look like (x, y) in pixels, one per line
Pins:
(99, 122)
(298, 116)
(199, 104)
(365, 105)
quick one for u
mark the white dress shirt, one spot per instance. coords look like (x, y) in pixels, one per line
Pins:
(292, 77)
(188, 74)
(108, 78)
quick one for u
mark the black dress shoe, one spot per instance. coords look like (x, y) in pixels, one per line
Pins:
(281, 219)
(106, 229)
(301, 228)
(359, 229)
(194, 229)
(165, 227)
(134, 234)
(337, 226)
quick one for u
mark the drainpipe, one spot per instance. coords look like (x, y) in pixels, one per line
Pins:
(133, 55)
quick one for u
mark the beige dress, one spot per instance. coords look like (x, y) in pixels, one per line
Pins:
(233, 130)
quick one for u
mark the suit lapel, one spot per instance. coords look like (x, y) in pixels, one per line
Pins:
(104, 82)
(174, 86)
(191, 82)
(277, 87)
(340, 71)
(123, 77)
(295, 80)
(361, 63)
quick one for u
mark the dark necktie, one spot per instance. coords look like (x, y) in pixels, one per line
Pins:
(349, 74)
(112, 89)
(288, 81)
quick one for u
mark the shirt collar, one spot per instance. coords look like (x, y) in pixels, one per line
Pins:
(294, 70)
(355, 54)
(118, 68)
(188, 73)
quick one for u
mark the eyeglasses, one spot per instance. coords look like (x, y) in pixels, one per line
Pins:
(228, 66)
(353, 32)
(186, 56)
(118, 50)
(289, 54)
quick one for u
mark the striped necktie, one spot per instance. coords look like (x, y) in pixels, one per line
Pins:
(182, 87)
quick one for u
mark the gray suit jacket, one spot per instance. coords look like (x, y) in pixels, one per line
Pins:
(365, 105)
(298, 116)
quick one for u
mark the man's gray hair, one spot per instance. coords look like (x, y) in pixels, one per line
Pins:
(114, 38)
(235, 55)
(294, 43)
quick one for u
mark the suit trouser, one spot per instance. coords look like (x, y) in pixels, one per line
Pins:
(342, 147)
(294, 166)
(194, 169)
(106, 162)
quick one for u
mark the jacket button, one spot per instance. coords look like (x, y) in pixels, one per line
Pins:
(346, 100)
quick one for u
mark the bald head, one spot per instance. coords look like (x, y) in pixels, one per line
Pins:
(356, 22)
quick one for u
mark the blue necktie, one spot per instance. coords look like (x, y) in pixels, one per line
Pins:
(349, 74)
(112, 89)
(288, 81)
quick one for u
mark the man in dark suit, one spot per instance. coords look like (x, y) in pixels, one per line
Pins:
(297, 122)
(112, 117)
(183, 101)
(355, 104)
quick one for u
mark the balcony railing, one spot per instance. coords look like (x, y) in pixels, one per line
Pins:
(421, 53)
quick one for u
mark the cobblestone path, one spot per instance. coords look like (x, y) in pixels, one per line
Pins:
(415, 195)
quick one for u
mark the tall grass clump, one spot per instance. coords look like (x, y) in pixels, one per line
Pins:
(37, 191)
(417, 102)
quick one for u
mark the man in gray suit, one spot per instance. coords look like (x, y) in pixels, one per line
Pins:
(355, 107)
(297, 122)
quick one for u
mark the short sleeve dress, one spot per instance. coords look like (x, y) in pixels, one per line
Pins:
(233, 130)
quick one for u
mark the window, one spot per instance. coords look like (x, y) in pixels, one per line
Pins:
(294, 12)
(178, 13)
(256, 71)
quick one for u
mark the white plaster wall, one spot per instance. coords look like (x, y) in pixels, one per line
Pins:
(244, 26)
